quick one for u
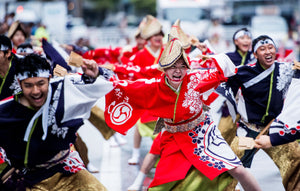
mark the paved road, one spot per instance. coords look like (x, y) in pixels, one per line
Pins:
(117, 175)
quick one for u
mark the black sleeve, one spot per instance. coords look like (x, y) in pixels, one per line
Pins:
(233, 82)
(277, 139)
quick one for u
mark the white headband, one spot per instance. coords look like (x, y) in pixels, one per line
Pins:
(40, 73)
(263, 42)
(242, 33)
(25, 50)
(3, 47)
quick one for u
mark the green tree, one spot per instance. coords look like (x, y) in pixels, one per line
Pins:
(144, 7)
(105, 5)
(97, 10)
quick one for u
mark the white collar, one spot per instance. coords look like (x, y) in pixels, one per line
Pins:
(154, 54)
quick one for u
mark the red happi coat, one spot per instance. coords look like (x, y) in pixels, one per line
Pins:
(104, 55)
(130, 72)
(128, 53)
(144, 58)
(141, 65)
(129, 100)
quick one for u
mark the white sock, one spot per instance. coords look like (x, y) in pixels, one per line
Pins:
(136, 152)
(139, 179)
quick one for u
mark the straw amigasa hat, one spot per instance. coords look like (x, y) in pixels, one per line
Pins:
(14, 27)
(152, 27)
(172, 52)
(140, 27)
(176, 31)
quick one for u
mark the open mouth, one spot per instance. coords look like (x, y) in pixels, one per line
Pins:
(246, 46)
(37, 99)
(176, 78)
(268, 58)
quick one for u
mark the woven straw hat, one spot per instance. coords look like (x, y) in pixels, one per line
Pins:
(152, 27)
(176, 31)
(13, 28)
(140, 27)
(172, 52)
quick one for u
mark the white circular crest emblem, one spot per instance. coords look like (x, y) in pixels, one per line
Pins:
(121, 113)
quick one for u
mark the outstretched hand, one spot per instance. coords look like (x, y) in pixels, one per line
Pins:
(202, 47)
(90, 68)
(263, 142)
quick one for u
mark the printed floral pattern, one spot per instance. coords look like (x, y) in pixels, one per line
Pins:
(59, 131)
(192, 97)
(285, 77)
(3, 157)
(209, 144)
(283, 129)
(73, 163)
(15, 86)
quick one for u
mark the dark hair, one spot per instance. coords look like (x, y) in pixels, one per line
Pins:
(31, 64)
(5, 41)
(261, 37)
(233, 37)
(19, 28)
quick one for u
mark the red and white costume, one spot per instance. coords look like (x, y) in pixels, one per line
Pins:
(189, 136)
(127, 53)
(104, 55)
(141, 65)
